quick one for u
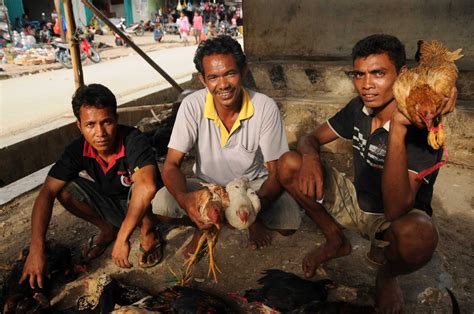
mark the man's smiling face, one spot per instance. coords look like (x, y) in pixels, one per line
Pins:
(223, 79)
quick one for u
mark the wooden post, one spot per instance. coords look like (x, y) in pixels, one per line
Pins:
(73, 44)
(149, 60)
(57, 6)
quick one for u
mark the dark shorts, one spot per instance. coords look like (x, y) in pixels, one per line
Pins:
(110, 209)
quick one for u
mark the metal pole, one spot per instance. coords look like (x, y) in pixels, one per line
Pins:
(73, 45)
(57, 6)
(132, 44)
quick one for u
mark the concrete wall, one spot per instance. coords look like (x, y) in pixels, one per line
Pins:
(312, 28)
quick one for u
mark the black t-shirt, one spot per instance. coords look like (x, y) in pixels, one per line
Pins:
(354, 122)
(115, 178)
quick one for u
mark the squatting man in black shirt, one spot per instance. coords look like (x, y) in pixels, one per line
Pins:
(115, 195)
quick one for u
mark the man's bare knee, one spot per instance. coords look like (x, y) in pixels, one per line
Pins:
(288, 165)
(416, 238)
(64, 197)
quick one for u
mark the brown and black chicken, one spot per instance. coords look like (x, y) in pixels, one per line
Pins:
(212, 201)
(420, 91)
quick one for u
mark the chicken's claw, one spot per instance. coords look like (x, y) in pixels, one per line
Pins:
(436, 136)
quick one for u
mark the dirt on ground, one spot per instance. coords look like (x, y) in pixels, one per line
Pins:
(107, 51)
(424, 291)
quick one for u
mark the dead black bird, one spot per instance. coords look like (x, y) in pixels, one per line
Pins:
(186, 300)
(20, 298)
(104, 294)
(286, 292)
(318, 307)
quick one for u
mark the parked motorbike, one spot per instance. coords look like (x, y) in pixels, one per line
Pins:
(138, 29)
(63, 54)
(227, 29)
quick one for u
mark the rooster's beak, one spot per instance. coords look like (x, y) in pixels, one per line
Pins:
(243, 216)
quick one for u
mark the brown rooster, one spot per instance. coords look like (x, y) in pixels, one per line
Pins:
(213, 199)
(420, 91)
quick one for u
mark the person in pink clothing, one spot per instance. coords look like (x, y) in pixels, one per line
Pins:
(184, 28)
(197, 24)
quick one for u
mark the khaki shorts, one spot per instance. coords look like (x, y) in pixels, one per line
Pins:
(284, 214)
(340, 201)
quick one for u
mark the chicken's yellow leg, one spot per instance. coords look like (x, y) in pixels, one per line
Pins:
(192, 259)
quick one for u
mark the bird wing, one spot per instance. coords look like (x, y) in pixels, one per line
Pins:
(404, 85)
(255, 200)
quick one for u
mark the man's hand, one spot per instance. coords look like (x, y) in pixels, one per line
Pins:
(120, 253)
(310, 177)
(192, 207)
(399, 119)
(449, 103)
(34, 268)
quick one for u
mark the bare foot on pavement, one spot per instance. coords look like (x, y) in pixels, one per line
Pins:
(323, 253)
(259, 235)
(389, 295)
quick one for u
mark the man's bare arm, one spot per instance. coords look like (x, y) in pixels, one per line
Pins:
(271, 188)
(310, 178)
(175, 181)
(40, 218)
(399, 187)
(144, 189)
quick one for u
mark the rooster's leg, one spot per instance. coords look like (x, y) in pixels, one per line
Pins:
(193, 258)
(182, 279)
(212, 239)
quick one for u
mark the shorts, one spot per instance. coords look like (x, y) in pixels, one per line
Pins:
(340, 201)
(109, 209)
(284, 214)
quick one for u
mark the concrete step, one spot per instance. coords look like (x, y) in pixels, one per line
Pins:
(302, 78)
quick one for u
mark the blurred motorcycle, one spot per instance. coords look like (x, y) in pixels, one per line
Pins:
(138, 29)
(63, 54)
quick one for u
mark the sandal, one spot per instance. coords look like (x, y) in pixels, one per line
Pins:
(91, 245)
(156, 247)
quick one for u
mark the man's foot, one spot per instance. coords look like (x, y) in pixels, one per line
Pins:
(389, 295)
(330, 249)
(151, 249)
(259, 235)
(97, 244)
(191, 247)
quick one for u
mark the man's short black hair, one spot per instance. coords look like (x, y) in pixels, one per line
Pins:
(222, 44)
(95, 95)
(381, 43)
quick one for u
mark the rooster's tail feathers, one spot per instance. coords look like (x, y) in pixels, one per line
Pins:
(435, 51)
(455, 55)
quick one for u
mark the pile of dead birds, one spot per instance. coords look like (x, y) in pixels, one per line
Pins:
(279, 292)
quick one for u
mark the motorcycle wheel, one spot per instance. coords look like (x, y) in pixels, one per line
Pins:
(65, 59)
(94, 55)
(140, 31)
(83, 55)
